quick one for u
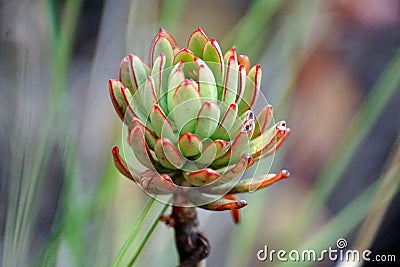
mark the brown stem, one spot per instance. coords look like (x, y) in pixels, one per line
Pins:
(191, 244)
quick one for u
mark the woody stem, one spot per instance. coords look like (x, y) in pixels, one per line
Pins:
(190, 242)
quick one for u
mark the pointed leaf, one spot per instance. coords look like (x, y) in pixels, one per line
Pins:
(231, 173)
(252, 185)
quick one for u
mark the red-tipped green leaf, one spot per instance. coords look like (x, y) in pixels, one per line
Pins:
(121, 165)
(201, 177)
(140, 148)
(155, 183)
(251, 90)
(190, 144)
(197, 41)
(207, 119)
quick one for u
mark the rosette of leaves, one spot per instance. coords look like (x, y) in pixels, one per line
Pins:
(191, 125)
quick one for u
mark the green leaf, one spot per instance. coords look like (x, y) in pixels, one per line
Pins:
(207, 119)
(197, 41)
(201, 177)
(186, 105)
(251, 90)
(167, 154)
(190, 144)
(212, 55)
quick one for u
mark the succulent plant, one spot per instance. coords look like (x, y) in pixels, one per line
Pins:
(191, 125)
(189, 115)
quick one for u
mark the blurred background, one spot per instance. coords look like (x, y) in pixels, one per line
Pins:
(330, 68)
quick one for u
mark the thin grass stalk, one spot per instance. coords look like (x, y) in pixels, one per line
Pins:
(148, 233)
(133, 234)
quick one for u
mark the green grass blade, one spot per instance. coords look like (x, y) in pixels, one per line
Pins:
(132, 235)
(148, 234)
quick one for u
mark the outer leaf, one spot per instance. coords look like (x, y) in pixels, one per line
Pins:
(140, 148)
(259, 183)
(217, 205)
(120, 96)
(207, 119)
(197, 41)
(231, 173)
(201, 177)
(155, 183)
(121, 165)
(167, 154)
